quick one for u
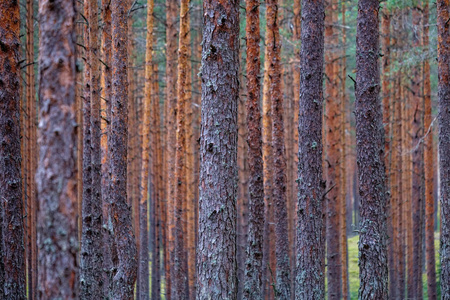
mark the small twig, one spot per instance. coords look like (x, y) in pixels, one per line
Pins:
(354, 81)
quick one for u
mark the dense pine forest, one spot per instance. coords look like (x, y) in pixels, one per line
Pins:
(224, 149)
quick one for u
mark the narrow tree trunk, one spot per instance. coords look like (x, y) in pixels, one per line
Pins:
(109, 253)
(91, 258)
(444, 139)
(344, 168)
(429, 165)
(157, 166)
(417, 149)
(170, 120)
(310, 279)
(12, 238)
(31, 201)
(333, 155)
(57, 195)
(279, 161)
(370, 157)
(386, 104)
(144, 197)
(180, 280)
(253, 271)
(125, 277)
(269, 264)
(218, 176)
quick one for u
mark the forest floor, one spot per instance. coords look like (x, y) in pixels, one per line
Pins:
(354, 270)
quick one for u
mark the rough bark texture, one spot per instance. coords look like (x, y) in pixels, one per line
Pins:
(12, 232)
(91, 258)
(333, 154)
(157, 171)
(386, 104)
(125, 276)
(429, 165)
(417, 148)
(170, 124)
(269, 265)
(370, 156)
(31, 145)
(216, 250)
(310, 269)
(279, 161)
(179, 280)
(253, 265)
(56, 175)
(109, 252)
(144, 284)
(444, 140)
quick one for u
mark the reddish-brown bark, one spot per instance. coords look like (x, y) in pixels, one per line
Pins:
(333, 154)
(216, 250)
(444, 139)
(179, 280)
(56, 176)
(253, 265)
(279, 161)
(370, 156)
(310, 269)
(429, 165)
(269, 264)
(125, 276)
(13, 278)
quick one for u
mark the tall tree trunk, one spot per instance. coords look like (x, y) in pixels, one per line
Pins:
(12, 238)
(57, 194)
(91, 258)
(157, 166)
(344, 168)
(109, 252)
(269, 264)
(310, 283)
(429, 165)
(417, 160)
(180, 280)
(279, 161)
(253, 271)
(386, 104)
(125, 277)
(444, 139)
(144, 197)
(31, 200)
(170, 120)
(218, 174)
(370, 156)
(333, 155)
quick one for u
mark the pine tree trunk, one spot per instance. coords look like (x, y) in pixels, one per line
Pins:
(370, 156)
(216, 252)
(333, 155)
(91, 258)
(109, 252)
(417, 149)
(144, 284)
(157, 166)
(310, 279)
(180, 279)
(12, 233)
(444, 139)
(429, 165)
(125, 276)
(269, 264)
(253, 271)
(279, 161)
(57, 196)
